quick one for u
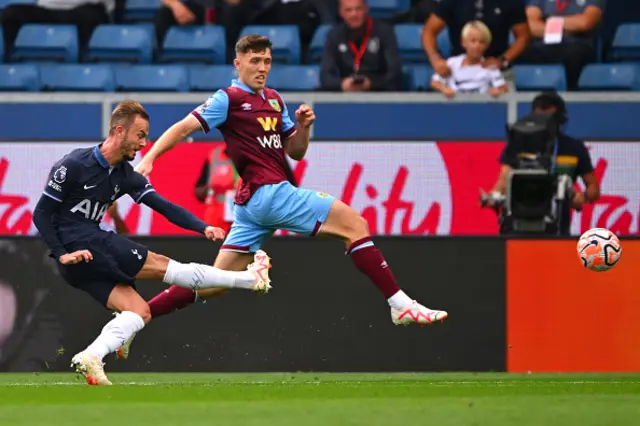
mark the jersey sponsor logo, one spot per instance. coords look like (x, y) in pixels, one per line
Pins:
(269, 124)
(271, 141)
(60, 175)
(93, 212)
(275, 104)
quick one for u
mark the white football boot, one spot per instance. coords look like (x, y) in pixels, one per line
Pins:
(91, 367)
(260, 268)
(416, 314)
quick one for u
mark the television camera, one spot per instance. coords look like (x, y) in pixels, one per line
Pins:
(534, 196)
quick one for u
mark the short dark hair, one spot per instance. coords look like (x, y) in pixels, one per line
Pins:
(125, 113)
(253, 43)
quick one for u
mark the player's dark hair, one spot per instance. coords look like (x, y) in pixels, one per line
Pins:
(125, 113)
(253, 43)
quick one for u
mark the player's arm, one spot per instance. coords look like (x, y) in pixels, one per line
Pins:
(207, 116)
(142, 192)
(297, 137)
(62, 178)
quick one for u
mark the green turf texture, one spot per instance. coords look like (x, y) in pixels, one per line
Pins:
(321, 399)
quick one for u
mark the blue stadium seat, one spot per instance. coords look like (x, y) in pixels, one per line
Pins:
(43, 42)
(77, 78)
(127, 43)
(195, 43)
(444, 43)
(211, 78)
(540, 77)
(5, 3)
(152, 78)
(387, 8)
(626, 43)
(417, 77)
(603, 77)
(141, 10)
(1, 47)
(316, 47)
(410, 42)
(294, 78)
(285, 39)
(19, 78)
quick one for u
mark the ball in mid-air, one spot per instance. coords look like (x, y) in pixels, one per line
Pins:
(599, 249)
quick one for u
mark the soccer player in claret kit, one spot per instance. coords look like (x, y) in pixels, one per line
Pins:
(80, 188)
(258, 132)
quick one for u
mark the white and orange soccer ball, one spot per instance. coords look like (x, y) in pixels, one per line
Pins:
(599, 249)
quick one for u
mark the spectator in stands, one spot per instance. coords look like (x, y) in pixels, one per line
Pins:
(360, 54)
(500, 16)
(306, 14)
(577, 47)
(467, 73)
(177, 12)
(85, 14)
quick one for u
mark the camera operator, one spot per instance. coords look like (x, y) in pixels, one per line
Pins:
(570, 157)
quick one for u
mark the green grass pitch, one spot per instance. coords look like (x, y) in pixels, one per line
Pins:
(321, 399)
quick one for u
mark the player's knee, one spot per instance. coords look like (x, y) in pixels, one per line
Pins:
(143, 310)
(359, 228)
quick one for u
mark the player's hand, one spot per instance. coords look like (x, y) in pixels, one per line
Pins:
(305, 116)
(76, 257)
(212, 233)
(144, 168)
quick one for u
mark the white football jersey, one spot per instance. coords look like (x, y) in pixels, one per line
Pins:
(470, 78)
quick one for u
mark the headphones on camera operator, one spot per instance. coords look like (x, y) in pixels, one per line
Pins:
(534, 195)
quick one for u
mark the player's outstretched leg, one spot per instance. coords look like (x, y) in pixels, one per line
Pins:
(196, 276)
(345, 223)
(175, 297)
(134, 314)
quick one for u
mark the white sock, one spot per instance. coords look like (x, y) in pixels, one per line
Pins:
(400, 301)
(115, 333)
(196, 276)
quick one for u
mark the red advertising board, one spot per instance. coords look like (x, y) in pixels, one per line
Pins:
(401, 188)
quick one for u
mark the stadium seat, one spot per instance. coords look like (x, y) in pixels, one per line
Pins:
(388, 8)
(5, 3)
(316, 47)
(141, 10)
(211, 78)
(127, 43)
(540, 77)
(1, 47)
(626, 43)
(19, 78)
(294, 78)
(285, 39)
(410, 42)
(418, 77)
(195, 43)
(152, 78)
(77, 78)
(43, 42)
(444, 43)
(603, 77)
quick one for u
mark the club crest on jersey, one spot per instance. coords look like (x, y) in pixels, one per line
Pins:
(60, 175)
(275, 104)
(116, 190)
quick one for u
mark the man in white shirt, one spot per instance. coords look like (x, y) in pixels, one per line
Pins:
(86, 14)
(468, 73)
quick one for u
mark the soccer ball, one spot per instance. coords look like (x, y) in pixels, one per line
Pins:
(599, 249)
